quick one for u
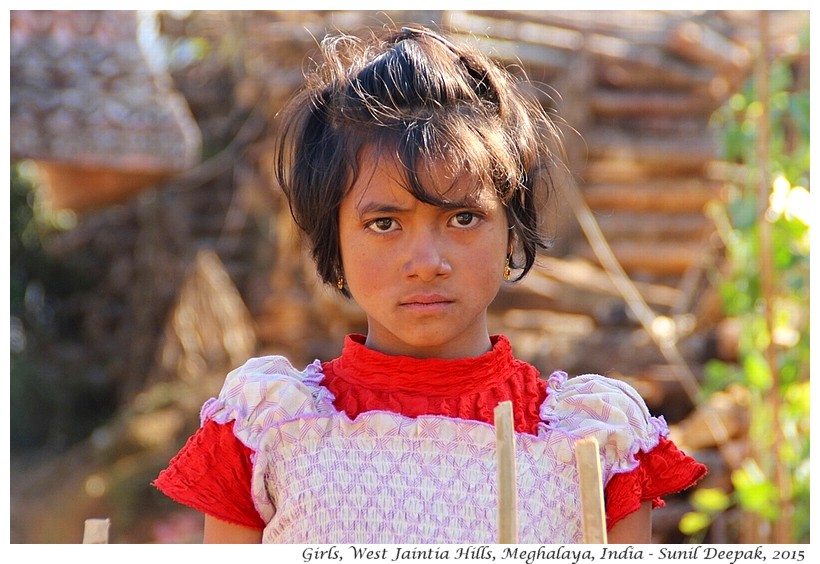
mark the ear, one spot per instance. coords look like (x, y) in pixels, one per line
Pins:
(512, 240)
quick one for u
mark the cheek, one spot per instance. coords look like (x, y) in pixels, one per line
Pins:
(486, 265)
(495, 248)
(363, 270)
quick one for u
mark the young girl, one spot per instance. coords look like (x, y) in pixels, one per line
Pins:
(417, 171)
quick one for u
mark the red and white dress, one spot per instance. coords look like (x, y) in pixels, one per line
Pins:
(373, 448)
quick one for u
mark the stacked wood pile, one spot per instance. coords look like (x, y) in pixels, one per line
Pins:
(639, 87)
(635, 89)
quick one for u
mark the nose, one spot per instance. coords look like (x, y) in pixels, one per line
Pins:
(426, 256)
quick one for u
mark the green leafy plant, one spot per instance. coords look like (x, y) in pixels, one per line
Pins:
(770, 301)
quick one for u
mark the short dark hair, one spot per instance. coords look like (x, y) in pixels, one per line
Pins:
(412, 92)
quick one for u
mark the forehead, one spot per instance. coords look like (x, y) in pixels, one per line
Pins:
(382, 174)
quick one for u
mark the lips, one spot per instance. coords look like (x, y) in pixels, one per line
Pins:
(426, 300)
(426, 304)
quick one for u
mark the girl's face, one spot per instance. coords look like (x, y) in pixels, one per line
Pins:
(424, 275)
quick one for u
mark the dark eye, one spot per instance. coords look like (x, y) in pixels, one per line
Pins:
(464, 219)
(382, 225)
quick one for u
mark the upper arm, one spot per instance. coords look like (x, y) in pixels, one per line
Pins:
(222, 532)
(635, 528)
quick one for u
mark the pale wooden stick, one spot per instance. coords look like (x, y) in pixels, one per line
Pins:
(96, 531)
(592, 490)
(506, 474)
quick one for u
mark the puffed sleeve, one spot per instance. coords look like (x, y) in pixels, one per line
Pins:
(264, 392)
(215, 471)
(639, 463)
(608, 409)
(212, 474)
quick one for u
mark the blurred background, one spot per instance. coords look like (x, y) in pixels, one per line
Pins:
(150, 254)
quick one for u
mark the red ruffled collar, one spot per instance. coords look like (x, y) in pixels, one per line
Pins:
(385, 373)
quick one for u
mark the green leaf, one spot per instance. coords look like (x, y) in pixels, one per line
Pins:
(694, 522)
(757, 371)
(718, 375)
(710, 500)
(754, 492)
(799, 396)
(760, 499)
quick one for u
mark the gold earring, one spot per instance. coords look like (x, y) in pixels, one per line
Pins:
(507, 270)
(340, 283)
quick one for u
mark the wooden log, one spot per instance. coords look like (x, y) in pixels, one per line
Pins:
(691, 151)
(610, 103)
(96, 531)
(646, 27)
(592, 490)
(640, 65)
(506, 474)
(659, 125)
(671, 194)
(626, 166)
(684, 227)
(698, 42)
(659, 258)
(618, 170)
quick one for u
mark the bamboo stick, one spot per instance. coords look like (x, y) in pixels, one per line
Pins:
(96, 531)
(506, 474)
(592, 490)
(772, 457)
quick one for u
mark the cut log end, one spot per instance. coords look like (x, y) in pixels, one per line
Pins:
(96, 531)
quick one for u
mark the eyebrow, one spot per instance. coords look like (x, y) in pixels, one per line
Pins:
(380, 207)
(377, 207)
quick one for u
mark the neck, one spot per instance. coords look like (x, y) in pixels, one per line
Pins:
(448, 351)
